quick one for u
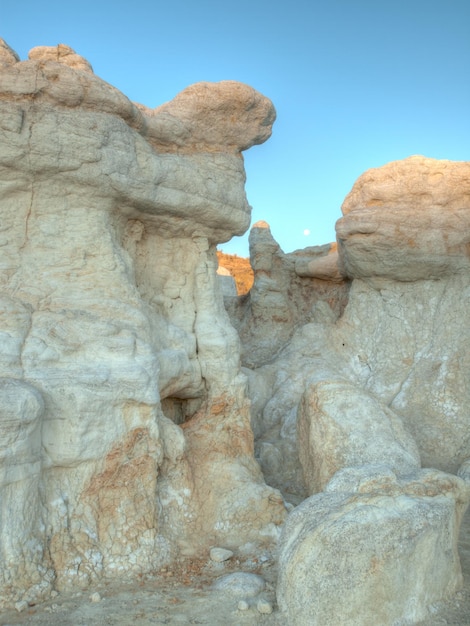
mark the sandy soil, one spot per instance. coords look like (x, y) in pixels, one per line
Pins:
(185, 596)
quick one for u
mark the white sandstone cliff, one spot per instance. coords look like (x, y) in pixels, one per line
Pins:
(124, 422)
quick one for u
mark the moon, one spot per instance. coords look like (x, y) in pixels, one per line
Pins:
(306, 232)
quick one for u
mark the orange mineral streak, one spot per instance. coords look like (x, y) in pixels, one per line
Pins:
(123, 494)
(241, 270)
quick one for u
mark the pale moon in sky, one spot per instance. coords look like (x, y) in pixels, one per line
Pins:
(306, 232)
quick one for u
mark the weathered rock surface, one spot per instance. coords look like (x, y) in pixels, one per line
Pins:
(464, 471)
(407, 220)
(226, 116)
(287, 289)
(125, 424)
(241, 584)
(340, 425)
(408, 345)
(61, 54)
(322, 266)
(400, 340)
(287, 294)
(7, 55)
(355, 398)
(126, 420)
(377, 554)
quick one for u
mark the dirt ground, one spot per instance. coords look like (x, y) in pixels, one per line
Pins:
(185, 596)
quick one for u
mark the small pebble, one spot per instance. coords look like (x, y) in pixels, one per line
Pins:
(95, 597)
(54, 593)
(264, 606)
(241, 584)
(243, 605)
(219, 555)
(21, 605)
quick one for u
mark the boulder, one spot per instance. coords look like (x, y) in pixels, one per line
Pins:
(340, 425)
(408, 220)
(213, 117)
(242, 584)
(324, 267)
(372, 550)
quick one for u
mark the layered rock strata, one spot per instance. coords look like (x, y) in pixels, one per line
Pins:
(125, 427)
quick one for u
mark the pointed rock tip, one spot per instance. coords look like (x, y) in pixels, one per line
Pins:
(261, 224)
(7, 55)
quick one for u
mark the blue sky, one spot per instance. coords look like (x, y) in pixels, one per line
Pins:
(356, 83)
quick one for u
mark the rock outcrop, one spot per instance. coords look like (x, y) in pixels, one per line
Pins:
(407, 221)
(292, 296)
(372, 549)
(286, 291)
(131, 418)
(124, 420)
(400, 340)
(365, 385)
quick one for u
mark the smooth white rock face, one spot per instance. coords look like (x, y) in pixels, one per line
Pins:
(119, 368)
(408, 345)
(378, 554)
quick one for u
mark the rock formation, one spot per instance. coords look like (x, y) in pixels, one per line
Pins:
(124, 420)
(292, 295)
(372, 549)
(407, 221)
(352, 403)
(133, 414)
